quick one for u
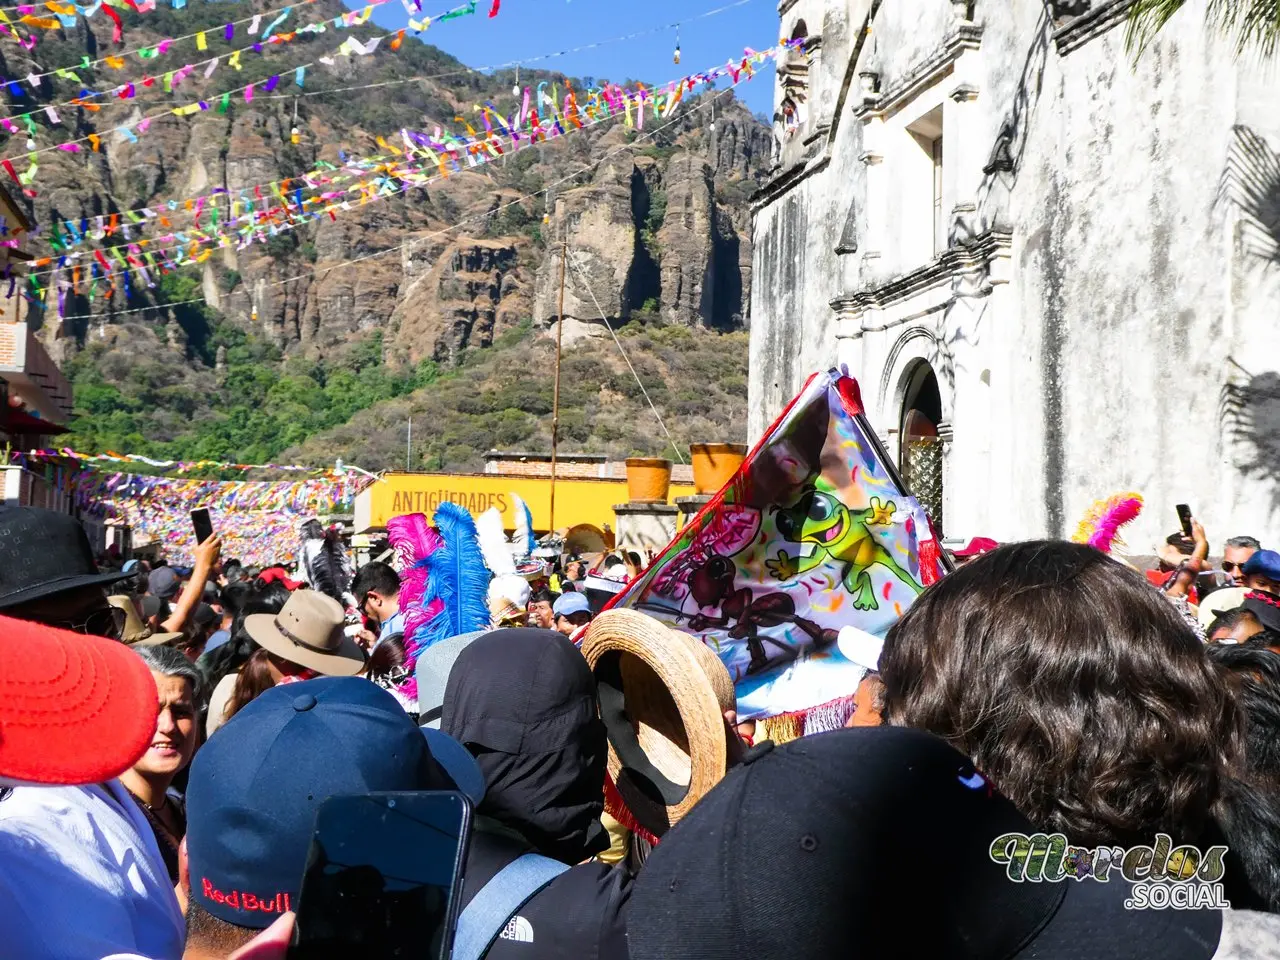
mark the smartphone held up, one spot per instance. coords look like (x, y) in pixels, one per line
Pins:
(384, 877)
(202, 524)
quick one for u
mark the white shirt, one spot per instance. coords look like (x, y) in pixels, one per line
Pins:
(81, 877)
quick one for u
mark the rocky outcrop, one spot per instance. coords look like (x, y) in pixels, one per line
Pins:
(668, 232)
(603, 281)
(686, 244)
(657, 225)
(463, 294)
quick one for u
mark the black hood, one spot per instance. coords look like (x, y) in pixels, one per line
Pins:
(524, 703)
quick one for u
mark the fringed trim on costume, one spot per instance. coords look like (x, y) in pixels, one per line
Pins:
(785, 727)
(617, 808)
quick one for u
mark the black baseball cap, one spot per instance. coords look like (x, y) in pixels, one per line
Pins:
(811, 849)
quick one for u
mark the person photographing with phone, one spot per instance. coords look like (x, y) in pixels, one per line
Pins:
(1182, 557)
(208, 552)
(255, 791)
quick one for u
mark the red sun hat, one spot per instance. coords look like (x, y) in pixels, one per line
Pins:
(976, 547)
(74, 709)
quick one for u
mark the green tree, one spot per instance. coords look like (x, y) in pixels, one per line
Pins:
(1254, 24)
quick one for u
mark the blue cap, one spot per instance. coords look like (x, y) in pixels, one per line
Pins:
(256, 785)
(570, 603)
(130, 566)
(1264, 563)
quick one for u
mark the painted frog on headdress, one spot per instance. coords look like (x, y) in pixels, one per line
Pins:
(841, 535)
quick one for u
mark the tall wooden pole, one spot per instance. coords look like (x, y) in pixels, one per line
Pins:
(555, 398)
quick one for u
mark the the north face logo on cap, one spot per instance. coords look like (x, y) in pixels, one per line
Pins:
(518, 929)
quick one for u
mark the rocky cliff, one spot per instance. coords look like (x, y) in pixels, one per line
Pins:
(656, 226)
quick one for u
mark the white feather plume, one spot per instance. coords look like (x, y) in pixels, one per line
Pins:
(522, 542)
(493, 543)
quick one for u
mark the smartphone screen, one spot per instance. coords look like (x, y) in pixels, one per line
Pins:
(1184, 518)
(202, 523)
(384, 877)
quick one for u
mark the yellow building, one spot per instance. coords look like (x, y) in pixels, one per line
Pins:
(579, 500)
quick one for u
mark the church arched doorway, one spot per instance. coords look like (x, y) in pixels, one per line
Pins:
(920, 457)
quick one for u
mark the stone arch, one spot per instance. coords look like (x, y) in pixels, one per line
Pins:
(915, 410)
(916, 344)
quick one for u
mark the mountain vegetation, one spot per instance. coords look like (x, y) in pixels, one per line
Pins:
(437, 304)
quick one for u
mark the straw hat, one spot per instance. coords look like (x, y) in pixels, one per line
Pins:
(1220, 601)
(310, 632)
(662, 696)
(135, 632)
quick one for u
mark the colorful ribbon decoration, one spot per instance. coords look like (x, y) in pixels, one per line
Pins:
(128, 90)
(378, 178)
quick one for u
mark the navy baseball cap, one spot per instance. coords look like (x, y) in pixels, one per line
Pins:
(256, 785)
(1264, 563)
(164, 583)
(567, 604)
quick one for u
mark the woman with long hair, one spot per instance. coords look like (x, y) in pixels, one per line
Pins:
(1074, 686)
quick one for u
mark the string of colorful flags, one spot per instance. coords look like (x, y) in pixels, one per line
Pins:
(439, 150)
(175, 466)
(173, 79)
(443, 231)
(180, 495)
(257, 520)
(67, 15)
(176, 207)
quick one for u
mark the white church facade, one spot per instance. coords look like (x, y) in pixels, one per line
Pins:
(1054, 272)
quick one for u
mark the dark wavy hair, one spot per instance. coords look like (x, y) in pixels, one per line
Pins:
(1254, 672)
(232, 655)
(1074, 686)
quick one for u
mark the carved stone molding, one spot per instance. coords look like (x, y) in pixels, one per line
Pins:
(987, 254)
(965, 36)
(1075, 29)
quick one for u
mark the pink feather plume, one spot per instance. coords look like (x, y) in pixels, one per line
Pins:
(1100, 527)
(413, 539)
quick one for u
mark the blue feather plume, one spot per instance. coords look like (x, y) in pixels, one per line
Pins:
(457, 577)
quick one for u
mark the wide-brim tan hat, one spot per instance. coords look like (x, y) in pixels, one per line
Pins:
(663, 695)
(135, 632)
(309, 631)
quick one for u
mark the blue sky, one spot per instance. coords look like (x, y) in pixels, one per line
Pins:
(529, 28)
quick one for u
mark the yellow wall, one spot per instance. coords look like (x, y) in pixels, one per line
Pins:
(577, 501)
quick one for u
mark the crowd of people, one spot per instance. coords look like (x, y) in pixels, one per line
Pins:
(167, 735)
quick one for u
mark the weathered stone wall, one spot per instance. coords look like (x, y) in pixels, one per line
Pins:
(1104, 317)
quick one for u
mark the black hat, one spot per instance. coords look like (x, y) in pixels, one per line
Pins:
(813, 848)
(42, 553)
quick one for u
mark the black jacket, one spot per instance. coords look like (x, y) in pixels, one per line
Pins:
(578, 915)
(523, 702)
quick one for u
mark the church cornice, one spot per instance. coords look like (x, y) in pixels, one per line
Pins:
(973, 257)
(965, 36)
(1079, 30)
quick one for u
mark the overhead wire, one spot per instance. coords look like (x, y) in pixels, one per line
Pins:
(572, 261)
